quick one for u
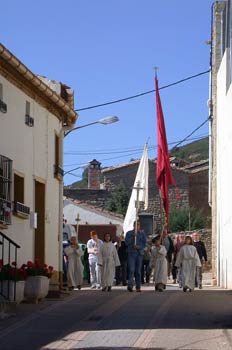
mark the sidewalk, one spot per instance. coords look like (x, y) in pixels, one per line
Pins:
(26, 311)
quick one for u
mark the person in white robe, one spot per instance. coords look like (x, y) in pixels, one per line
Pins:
(158, 262)
(74, 253)
(188, 259)
(108, 260)
(93, 248)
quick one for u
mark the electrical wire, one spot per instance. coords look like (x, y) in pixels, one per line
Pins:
(179, 143)
(134, 152)
(143, 93)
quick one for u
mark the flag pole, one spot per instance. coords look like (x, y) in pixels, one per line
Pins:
(161, 214)
(138, 188)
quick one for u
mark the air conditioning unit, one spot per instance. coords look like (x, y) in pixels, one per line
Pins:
(21, 210)
(29, 120)
(3, 107)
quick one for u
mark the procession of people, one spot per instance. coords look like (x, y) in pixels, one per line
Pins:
(134, 259)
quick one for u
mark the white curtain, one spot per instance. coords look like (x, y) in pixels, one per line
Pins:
(141, 180)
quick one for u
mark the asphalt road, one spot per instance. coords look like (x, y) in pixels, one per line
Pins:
(91, 319)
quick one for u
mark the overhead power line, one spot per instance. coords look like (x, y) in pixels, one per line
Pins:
(124, 150)
(143, 93)
(177, 143)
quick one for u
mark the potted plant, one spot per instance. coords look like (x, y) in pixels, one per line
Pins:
(37, 281)
(12, 281)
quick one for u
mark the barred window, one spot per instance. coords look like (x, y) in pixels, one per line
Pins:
(5, 189)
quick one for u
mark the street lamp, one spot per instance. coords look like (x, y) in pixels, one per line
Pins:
(104, 121)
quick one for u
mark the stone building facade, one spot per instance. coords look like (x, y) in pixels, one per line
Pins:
(191, 187)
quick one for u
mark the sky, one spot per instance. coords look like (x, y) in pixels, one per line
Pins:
(107, 50)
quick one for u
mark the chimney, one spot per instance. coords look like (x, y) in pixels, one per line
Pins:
(94, 172)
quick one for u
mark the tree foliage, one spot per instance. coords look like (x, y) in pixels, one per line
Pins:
(119, 200)
(186, 219)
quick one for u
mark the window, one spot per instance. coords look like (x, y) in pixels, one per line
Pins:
(28, 107)
(20, 209)
(18, 188)
(5, 190)
(28, 119)
(3, 106)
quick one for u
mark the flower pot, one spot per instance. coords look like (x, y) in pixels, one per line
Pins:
(19, 292)
(36, 288)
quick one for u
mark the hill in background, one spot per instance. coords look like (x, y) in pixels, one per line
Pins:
(192, 152)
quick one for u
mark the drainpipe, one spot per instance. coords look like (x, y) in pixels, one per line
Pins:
(210, 106)
(61, 186)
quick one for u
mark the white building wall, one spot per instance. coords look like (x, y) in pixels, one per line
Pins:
(224, 171)
(32, 150)
(92, 217)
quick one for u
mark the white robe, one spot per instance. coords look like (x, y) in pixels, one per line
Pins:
(75, 266)
(159, 262)
(108, 259)
(187, 260)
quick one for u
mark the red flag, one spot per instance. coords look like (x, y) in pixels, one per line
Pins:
(163, 169)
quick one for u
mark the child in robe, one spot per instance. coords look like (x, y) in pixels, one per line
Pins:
(108, 260)
(188, 260)
(158, 262)
(75, 267)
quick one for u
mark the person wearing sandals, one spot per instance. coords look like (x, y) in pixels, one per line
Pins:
(158, 262)
(108, 260)
(188, 260)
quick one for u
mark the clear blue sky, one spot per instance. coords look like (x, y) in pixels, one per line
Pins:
(107, 50)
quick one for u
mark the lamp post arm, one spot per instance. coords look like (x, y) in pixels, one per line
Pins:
(79, 127)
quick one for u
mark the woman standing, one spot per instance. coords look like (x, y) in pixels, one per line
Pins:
(188, 260)
(108, 259)
(75, 268)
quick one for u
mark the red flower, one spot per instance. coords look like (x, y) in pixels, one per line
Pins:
(30, 264)
(50, 268)
(37, 261)
(14, 263)
(45, 265)
(1, 263)
(23, 273)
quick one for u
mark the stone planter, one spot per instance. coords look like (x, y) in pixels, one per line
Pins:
(36, 288)
(19, 292)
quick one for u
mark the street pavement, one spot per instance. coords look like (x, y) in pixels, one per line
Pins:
(92, 319)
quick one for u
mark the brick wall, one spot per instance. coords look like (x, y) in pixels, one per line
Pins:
(127, 174)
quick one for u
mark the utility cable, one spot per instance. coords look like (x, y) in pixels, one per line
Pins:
(143, 93)
(132, 152)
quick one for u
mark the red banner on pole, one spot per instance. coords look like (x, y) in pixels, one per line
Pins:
(164, 176)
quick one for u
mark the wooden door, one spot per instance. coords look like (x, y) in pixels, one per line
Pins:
(40, 230)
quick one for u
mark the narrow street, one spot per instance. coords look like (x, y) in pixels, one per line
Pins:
(90, 319)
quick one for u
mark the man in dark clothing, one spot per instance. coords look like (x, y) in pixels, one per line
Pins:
(200, 246)
(136, 242)
(168, 243)
(121, 271)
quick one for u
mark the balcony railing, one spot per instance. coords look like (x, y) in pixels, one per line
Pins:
(21, 210)
(5, 212)
(8, 253)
